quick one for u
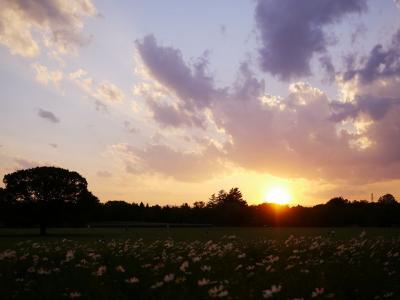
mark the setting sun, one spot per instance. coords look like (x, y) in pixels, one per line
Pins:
(278, 195)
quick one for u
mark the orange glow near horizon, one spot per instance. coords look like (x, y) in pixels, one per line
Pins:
(278, 195)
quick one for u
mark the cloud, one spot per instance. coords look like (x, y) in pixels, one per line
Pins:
(292, 32)
(374, 107)
(178, 92)
(308, 135)
(174, 116)
(379, 63)
(48, 115)
(328, 67)
(109, 92)
(186, 166)
(130, 128)
(222, 30)
(53, 145)
(290, 137)
(397, 2)
(26, 164)
(44, 76)
(82, 79)
(303, 135)
(104, 174)
(103, 92)
(190, 83)
(26, 26)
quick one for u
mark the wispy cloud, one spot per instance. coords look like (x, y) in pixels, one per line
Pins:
(105, 91)
(44, 75)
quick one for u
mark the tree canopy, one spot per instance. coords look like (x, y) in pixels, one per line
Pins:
(387, 199)
(49, 194)
(233, 197)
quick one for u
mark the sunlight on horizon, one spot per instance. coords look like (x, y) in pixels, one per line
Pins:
(278, 195)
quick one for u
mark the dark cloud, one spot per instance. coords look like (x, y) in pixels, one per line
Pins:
(101, 107)
(130, 128)
(53, 145)
(375, 107)
(328, 67)
(247, 86)
(379, 63)
(222, 29)
(192, 84)
(48, 115)
(292, 31)
(358, 33)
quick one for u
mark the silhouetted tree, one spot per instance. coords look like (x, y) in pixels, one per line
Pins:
(199, 204)
(387, 199)
(49, 194)
(338, 201)
(4, 205)
(234, 196)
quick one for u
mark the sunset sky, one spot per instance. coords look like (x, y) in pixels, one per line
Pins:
(170, 101)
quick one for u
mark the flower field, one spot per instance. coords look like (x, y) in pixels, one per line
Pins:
(226, 266)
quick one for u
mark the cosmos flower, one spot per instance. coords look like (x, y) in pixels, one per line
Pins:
(132, 280)
(120, 269)
(169, 277)
(74, 295)
(101, 271)
(184, 266)
(203, 282)
(268, 293)
(317, 292)
(69, 255)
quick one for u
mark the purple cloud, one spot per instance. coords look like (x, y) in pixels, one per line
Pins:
(191, 84)
(375, 107)
(183, 166)
(292, 32)
(296, 136)
(48, 115)
(380, 63)
(169, 115)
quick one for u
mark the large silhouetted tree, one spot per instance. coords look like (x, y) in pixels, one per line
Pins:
(49, 194)
(387, 199)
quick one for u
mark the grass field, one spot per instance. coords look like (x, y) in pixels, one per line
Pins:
(201, 263)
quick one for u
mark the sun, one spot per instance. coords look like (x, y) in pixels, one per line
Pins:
(278, 195)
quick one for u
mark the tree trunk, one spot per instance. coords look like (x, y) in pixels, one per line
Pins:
(42, 229)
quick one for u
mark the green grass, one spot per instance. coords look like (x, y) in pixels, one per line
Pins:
(236, 263)
(8, 237)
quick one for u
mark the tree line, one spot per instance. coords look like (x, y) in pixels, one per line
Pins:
(50, 196)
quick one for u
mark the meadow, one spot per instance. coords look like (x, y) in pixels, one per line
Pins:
(201, 263)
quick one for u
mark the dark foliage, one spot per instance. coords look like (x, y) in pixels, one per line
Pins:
(46, 196)
(52, 196)
(224, 210)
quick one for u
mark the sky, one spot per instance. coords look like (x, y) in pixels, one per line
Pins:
(167, 102)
